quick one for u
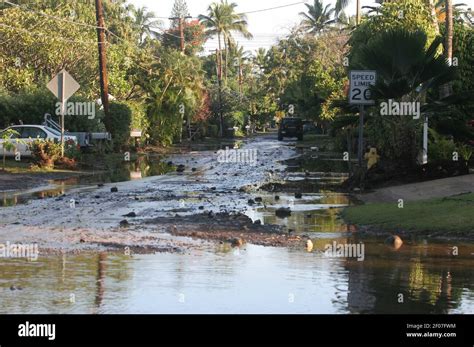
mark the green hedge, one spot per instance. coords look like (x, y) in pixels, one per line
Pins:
(30, 108)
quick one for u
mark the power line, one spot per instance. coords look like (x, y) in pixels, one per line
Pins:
(274, 8)
(28, 32)
(53, 17)
(48, 36)
(72, 22)
(257, 11)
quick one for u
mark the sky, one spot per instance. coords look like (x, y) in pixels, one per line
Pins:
(266, 26)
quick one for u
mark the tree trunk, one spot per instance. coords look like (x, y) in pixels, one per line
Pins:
(225, 60)
(447, 89)
(434, 16)
(448, 48)
(219, 77)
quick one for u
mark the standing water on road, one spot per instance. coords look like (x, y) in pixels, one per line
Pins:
(250, 280)
(212, 277)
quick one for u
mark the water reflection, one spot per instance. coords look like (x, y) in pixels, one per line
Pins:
(12, 199)
(114, 171)
(417, 279)
(313, 213)
(251, 280)
(101, 267)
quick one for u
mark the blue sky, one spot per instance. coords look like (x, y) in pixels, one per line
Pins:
(265, 26)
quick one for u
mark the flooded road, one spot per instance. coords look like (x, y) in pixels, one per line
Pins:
(254, 279)
(185, 275)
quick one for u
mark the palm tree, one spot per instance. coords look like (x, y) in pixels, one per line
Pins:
(240, 57)
(145, 23)
(345, 22)
(449, 30)
(317, 18)
(341, 5)
(434, 17)
(406, 71)
(222, 20)
(440, 11)
(260, 58)
(416, 70)
(448, 43)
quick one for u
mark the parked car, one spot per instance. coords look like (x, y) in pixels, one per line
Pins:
(290, 127)
(29, 133)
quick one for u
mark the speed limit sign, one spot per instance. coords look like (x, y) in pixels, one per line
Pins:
(360, 82)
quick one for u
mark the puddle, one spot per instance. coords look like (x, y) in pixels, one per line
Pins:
(312, 213)
(114, 172)
(250, 280)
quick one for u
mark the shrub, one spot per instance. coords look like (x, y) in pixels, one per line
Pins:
(30, 108)
(7, 143)
(118, 124)
(212, 130)
(139, 120)
(45, 152)
(72, 150)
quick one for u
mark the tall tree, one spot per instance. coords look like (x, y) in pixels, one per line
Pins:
(447, 89)
(432, 6)
(223, 20)
(180, 10)
(341, 5)
(448, 46)
(259, 58)
(145, 23)
(317, 18)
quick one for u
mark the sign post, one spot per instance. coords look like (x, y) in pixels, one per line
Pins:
(424, 158)
(360, 146)
(63, 86)
(360, 94)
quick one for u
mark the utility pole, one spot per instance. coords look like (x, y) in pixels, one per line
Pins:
(181, 34)
(181, 21)
(104, 86)
(358, 12)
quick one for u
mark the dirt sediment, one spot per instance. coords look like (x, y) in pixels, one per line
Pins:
(235, 229)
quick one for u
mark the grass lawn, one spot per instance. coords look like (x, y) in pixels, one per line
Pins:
(309, 140)
(451, 215)
(23, 167)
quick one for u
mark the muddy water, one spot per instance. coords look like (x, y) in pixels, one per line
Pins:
(314, 215)
(253, 279)
(250, 280)
(116, 171)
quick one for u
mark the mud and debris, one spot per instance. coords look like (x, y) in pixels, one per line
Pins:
(205, 199)
(234, 229)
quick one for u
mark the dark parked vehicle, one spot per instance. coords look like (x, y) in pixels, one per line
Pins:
(290, 127)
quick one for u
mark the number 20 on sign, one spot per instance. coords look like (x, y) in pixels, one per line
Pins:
(360, 82)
